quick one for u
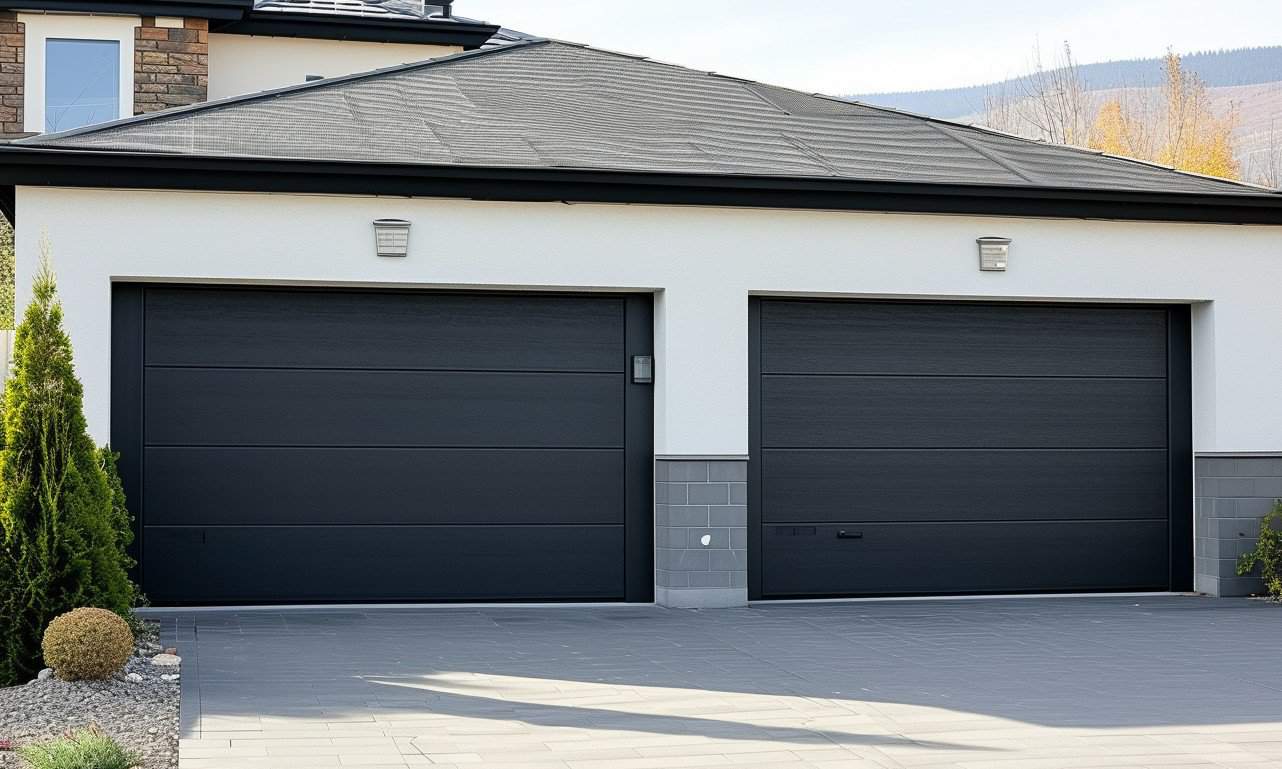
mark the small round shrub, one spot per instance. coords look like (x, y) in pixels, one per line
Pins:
(90, 644)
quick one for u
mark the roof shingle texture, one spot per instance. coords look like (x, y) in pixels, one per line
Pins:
(559, 105)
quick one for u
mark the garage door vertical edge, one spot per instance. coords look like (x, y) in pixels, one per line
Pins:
(754, 449)
(1180, 445)
(126, 403)
(638, 455)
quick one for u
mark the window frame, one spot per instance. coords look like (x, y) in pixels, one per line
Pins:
(40, 28)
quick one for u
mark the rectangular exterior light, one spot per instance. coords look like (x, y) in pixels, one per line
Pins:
(392, 237)
(994, 253)
(642, 369)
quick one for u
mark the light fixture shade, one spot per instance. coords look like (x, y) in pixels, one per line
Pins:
(994, 253)
(392, 237)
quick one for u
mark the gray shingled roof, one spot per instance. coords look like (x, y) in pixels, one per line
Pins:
(560, 105)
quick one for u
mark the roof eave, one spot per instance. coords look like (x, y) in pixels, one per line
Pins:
(239, 17)
(467, 34)
(203, 9)
(33, 166)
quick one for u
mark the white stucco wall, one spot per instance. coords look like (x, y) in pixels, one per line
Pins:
(240, 64)
(704, 262)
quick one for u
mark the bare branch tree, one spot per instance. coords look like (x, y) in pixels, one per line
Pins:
(1054, 101)
(1000, 110)
(1264, 165)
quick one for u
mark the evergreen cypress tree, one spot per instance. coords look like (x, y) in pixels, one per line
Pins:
(59, 517)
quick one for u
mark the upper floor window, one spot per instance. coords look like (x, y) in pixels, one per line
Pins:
(82, 83)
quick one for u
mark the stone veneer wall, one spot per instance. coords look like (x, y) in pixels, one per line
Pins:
(171, 65)
(13, 57)
(697, 498)
(1232, 494)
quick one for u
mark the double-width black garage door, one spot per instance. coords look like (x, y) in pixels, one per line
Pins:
(343, 445)
(923, 448)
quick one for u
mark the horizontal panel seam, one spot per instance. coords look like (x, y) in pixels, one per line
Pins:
(969, 521)
(380, 525)
(374, 447)
(377, 369)
(887, 375)
(1077, 449)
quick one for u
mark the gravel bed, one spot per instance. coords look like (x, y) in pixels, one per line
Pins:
(140, 715)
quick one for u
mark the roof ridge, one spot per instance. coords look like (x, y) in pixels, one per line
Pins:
(273, 93)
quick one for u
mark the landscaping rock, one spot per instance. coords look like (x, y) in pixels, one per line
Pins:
(165, 659)
(138, 709)
(44, 675)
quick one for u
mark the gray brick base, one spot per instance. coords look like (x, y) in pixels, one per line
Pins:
(700, 501)
(1233, 493)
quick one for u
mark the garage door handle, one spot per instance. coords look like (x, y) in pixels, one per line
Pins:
(843, 534)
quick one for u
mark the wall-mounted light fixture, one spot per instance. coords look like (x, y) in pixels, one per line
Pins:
(642, 369)
(391, 237)
(994, 253)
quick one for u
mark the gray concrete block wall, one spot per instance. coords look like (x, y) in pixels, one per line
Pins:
(1232, 494)
(698, 500)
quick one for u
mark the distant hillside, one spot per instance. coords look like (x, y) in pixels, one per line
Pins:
(1244, 66)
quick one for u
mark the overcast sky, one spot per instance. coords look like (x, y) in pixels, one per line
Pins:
(854, 46)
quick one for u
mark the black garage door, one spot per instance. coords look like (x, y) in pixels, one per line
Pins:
(923, 448)
(335, 445)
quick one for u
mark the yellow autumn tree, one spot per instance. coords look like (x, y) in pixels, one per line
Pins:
(1183, 130)
(1112, 130)
(1196, 139)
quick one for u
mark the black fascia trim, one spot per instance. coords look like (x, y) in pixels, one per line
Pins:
(469, 35)
(204, 9)
(21, 165)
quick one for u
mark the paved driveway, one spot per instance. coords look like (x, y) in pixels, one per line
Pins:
(1068, 682)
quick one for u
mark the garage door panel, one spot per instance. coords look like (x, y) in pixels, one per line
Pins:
(1012, 340)
(932, 558)
(288, 445)
(964, 447)
(337, 329)
(189, 486)
(962, 412)
(237, 564)
(800, 486)
(186, 406)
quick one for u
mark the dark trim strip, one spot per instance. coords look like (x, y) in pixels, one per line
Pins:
(204, 9)
(470, 35)
(638, 427)
(238, 17)
(1179, 403)
(755, 518)
(35, 166)
(126, 403)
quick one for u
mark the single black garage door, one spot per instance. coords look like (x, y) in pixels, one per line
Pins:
(924, 448)
(290, 445)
